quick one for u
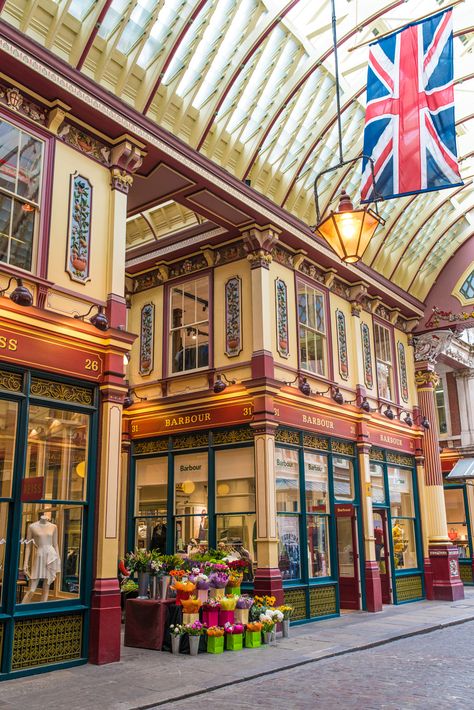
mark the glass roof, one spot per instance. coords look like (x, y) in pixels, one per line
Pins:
(250, 84)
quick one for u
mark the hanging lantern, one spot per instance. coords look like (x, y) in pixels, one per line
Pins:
(348, 231)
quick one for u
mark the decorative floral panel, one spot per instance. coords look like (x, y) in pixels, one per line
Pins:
(400, 459)
(402, 366)
(147, 327)
(11, 381)
(282, 318)
(80, 212)
(232, 436)
(150, 446)
(342, 447)
(297, 599)
(190, 441)
(60, 391)
(322, 601)
(310, 441)
(233, 316)
(287, 436)
(342, 345)
(377, 454)
(409, 588)
(367, 356)
(49, 639)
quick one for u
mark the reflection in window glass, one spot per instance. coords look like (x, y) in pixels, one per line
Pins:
(316, 482)
(343, 478)
(8, 419)
(318, 546)
(239, 533)
(377, 483)
(404, 544)
(441, 408)
(235, 481)
(3, 544)
(311, 329)
(401, 492)
(50, 551)
(151, 501)
(190, 500)
(457, 520)
(289, 546)
(287, 480)
(189, 325)
(383, 355)
(57, 452)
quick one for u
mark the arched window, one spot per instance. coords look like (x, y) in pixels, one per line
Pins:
(467, 289)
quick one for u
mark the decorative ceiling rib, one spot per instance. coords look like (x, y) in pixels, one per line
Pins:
(250, 84)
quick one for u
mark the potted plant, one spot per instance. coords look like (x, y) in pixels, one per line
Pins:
(234, 637)
(215, 639)
(253, 634)
(194, 631)
(176, 631)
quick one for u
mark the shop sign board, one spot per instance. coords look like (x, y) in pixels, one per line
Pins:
(46, 353)
(391, 440)
(312, 420)
(32, 489)
(199, 418)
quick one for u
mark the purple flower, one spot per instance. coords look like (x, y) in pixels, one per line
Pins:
(218, 580)
(244, 602)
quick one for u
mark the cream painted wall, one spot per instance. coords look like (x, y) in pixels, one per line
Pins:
(67, 162)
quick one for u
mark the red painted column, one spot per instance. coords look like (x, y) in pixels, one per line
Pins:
(105, 622)
(443, 580)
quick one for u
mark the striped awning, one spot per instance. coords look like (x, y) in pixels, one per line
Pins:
(463, 469)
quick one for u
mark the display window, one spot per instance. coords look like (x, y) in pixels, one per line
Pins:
(151, 501)
(189, 325)
(457, 516)
(190, 501)
(319, 560)
(377, 482)
(3, 542)
(343, 473)
(402, 509)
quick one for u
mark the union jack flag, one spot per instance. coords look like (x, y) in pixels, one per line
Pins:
(409, 122)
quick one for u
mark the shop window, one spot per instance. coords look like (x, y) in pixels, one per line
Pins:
(288, 512)
(190, 502)
(8, 422)
(441, 408)
(467, 289)
(312, 334)
(383, 355)
(151, 501)
(402, 508)
(3, 543)
(189, 325)
(343, 478)
(377, 483)
(456, 516)
(317, 511)
(235, 500)
(21, 162)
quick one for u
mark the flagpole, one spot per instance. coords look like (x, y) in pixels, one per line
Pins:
(419, 19)
(336, 68)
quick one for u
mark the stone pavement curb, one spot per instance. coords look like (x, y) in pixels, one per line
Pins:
(307, 661)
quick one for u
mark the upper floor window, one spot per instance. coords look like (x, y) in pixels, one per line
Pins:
(312, 329)
(383, 355)
(21, 161)
(441, 408)
(189, 325)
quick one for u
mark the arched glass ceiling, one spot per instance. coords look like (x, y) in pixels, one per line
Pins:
(250, 83)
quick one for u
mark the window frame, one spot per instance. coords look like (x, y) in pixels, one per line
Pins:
(379, 323)
(327, 336)
(42, 231)
(167, 331)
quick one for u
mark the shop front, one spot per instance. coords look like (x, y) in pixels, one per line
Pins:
(459, 502)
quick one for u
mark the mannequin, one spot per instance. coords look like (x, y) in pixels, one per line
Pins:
(43, 536)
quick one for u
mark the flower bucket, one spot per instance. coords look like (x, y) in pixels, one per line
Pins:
(194, 645)
(190, 618)
(216, 593)
(241, 616)
(234, 642)
(175, 644)
(143, 584)
(155, 587)
(210, 618)
(285, 627)
(202, 595)
(253, 639)
(267, 637)
(165, 583)
(225, 617)
(215, 644)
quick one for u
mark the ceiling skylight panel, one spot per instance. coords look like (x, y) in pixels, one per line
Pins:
(185, 49)
(164, 25)
(136, 25)
(81, 8)
(113, 17)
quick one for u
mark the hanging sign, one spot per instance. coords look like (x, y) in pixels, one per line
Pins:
(32, 489)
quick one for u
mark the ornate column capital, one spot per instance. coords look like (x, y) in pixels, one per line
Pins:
(258, 243)
(426, 379)
(125, 159)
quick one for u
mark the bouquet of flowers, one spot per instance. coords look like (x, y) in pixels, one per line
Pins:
(177, 630)
(170, 562)
(235, 578)
(191, 606)
(276, 615)
(211, 605)
(183, 586)
(285, 610)
(268, 623)
(128, 585)
(260, 606)
(194, 629)
(254, 626)
(218, 579)
(201, 580)
(244, 602)
(215, 631)
(139, 561)
(156, 565)
(240, 566)
(178, 573)
(229, 602)
(234, 628)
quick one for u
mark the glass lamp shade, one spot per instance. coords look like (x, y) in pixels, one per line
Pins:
(348, 231)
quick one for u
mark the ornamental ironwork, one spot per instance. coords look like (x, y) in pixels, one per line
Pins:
(322, 601)
(377, 454)
(400, 459)
(11, 381)
(282, 317)
(150, 446)
(147, 327)
(342, 447)
(232, 436)
(402, 366)
(409, 588)
(190, 441)
(61, 392)
(367, 356)
(233, 316)
(310, 441)
(79, 231)
(297, 599)
(50, 639)
(287, 436)
(342, 344)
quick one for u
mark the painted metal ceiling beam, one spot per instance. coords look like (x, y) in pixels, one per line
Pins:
(90, 40)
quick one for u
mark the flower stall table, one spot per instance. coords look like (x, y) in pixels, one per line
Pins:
(145, 622)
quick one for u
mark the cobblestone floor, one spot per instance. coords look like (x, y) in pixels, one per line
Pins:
(434, 670)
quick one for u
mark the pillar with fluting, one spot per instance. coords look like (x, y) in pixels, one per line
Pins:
(373, 586)
(443, 563)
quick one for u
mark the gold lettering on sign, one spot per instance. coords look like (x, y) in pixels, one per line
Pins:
(188, 419)
(390, 439)
(8, 343)
(317, 421)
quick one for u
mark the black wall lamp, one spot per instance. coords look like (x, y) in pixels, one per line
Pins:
(20, 295)
(303, 385)
(99, 320)
(361, 402)
(220, 385)
(408, 419)
(128, 399)
(336, 394)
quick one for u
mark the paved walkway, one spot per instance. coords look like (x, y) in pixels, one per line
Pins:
(145, 679)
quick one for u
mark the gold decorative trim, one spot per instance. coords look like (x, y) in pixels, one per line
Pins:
(322, 601)
(400, 459)
(190, 441)
(310, 441)
(377, 454)
(50, 639)
(409, 588)
(426, 378)
(342, 447)
(465, 572)
(11, 381)
(59, 391)
(233, 436)
(287, 436)
(297, 599)
(152, 446)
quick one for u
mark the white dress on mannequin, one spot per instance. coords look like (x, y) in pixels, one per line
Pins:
(43, 537)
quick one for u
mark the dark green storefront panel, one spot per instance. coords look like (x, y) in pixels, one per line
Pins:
(46, 640)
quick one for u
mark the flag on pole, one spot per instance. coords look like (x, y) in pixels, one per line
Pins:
(409, 129)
